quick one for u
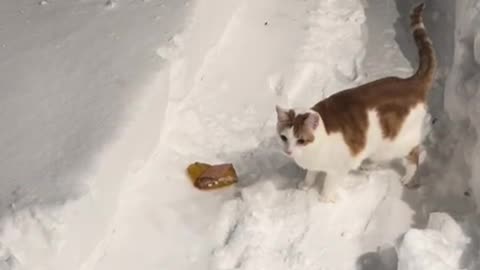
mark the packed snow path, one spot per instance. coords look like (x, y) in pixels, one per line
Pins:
(213, 100)
(222, 110)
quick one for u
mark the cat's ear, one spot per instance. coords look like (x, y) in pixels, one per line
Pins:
(282, 114)
(312, 120)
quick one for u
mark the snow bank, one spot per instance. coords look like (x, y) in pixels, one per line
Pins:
(438, 247)
(83, 102)
(454, 177)
(462, 99)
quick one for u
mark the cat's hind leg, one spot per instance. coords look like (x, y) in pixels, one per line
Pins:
(368, 165)
(410, 162)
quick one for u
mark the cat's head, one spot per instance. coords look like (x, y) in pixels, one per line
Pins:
(297, 129)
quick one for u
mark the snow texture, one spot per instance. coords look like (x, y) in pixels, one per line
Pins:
(105, 103)
(439, 246)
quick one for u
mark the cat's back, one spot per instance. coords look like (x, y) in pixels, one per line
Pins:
(386, 91)
(373, 111)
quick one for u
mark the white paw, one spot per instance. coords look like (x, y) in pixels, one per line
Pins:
(406, 179)
(330, 197)
(409, 183)
(302, 185)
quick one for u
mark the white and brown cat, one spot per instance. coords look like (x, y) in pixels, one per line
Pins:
(378, 121)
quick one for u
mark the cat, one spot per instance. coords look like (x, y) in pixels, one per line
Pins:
(380, 121)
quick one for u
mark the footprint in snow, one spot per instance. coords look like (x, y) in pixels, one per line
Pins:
(276, 84)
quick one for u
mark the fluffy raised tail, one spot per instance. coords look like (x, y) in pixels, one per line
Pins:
(427, 59)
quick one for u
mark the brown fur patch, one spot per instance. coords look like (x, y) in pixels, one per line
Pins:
(414, 155)
(391, 118)
(297, 122)
(300, 131)
(287, 123)
(392, 98)
(414, 158)
(416, 15)
(426, 52)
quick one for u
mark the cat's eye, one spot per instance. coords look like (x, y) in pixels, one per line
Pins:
(301, 141)
(284, 138)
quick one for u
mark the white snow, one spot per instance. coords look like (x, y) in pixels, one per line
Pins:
(69, 140)
(446, 243)
(438, 247)
(113, 99)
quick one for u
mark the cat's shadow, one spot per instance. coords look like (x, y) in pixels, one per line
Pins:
(265, 162)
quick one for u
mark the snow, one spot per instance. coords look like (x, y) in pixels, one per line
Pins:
(113, 99)
(439, 246)
(69, 69)
(452, 183)
(462, 99)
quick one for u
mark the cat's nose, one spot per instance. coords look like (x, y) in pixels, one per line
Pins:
(289, 152)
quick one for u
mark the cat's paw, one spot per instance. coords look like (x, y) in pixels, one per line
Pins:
(330, 197)
(303, 185)
(409, 182)
(407, 179)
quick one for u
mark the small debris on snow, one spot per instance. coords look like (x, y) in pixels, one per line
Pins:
(173, 49)
(265, 23)
(110, 4)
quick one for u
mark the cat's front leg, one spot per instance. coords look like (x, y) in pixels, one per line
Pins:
(309, 180)
(331, 186)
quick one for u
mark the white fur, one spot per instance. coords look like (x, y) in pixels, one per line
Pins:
(330, 153)
(419, 25)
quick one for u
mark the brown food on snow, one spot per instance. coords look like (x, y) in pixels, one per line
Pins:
(207, 177)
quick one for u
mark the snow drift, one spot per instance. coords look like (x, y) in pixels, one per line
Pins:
(83, 102)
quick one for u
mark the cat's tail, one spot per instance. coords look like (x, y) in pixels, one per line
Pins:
(427, 59)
